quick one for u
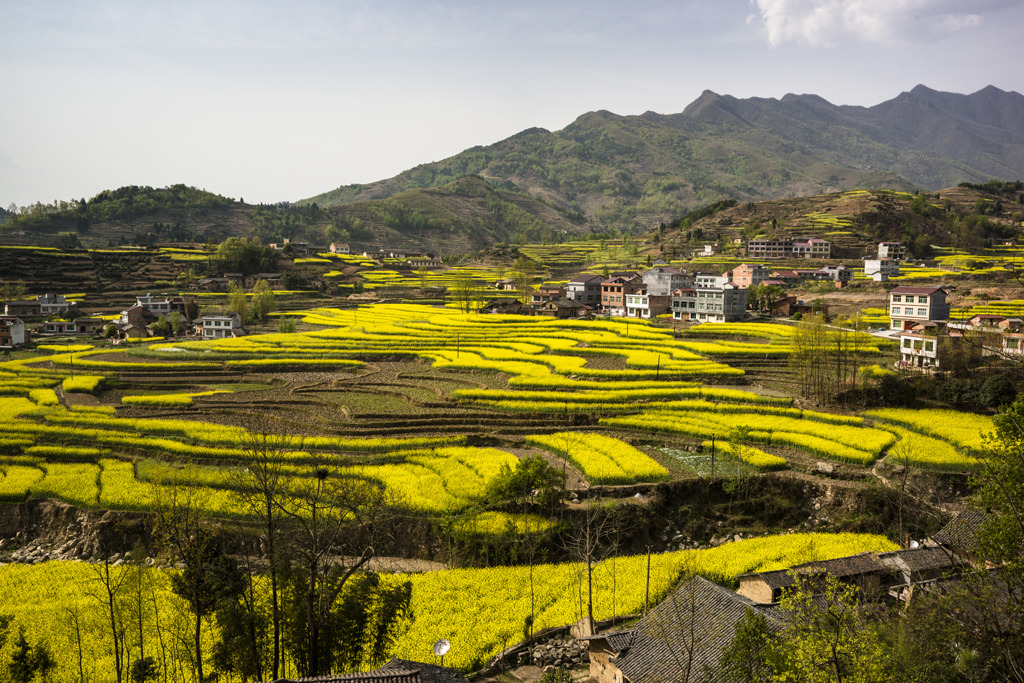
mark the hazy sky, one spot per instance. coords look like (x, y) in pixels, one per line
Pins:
(272, 101)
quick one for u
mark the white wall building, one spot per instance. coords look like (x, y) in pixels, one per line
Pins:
(220, 326)
(710, 304)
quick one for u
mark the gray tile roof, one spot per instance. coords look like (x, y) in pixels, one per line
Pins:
(960, 533)
(686, 633)
(395, 671)
(840, 568)
(921, 559)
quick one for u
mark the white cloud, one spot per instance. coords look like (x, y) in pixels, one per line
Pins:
(833, 22)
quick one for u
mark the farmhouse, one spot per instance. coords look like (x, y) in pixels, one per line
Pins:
(53, 304)
(896, 251)
(910, 305)
(395, 671)
(220, 326)
(160, 306)
(748, 275)
(641, 304)
(563, 308)
(545, 294)
(710, 304)
(424, 262)
(813, 247)
(921, 346)
(585, 288)
(663, 281)
(12, 332)
(865, 571)
(614, 292)
(340, 248)
(23, 309)
(881, 268)
(678, 640)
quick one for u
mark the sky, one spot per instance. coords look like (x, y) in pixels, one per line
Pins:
(279, 101)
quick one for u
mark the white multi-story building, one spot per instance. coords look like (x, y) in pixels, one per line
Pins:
(53, 304)
(705, 280)
(893, 250)
(12, 331)
(911, 305)
(814, 247)
(881, 268)
(710, 304)
(220, 326)
(919, 345)
(640, 303)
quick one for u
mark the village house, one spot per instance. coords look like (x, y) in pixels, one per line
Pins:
(395, 671)
(840, 274)
(909, 305)
(790, 305)
(424, 261)
(340, 248)
(1012, 335)
(707, 251)
(546, 293)
(748, 274)
(640, 303)
(12, 332)
(614, 291)
(679, 640)
(219, 326)
(896, 251)
(881, 269)
(922, 346)
(865, 571)
(134, 322)
(585, 288)
(161, 306)
(54, 304)
(663, 281)
(766, 248)
(786, 277)
(563, 309)
(23, 309)
(814, 247)
(77, 326)
(724, 304)
(705, 280)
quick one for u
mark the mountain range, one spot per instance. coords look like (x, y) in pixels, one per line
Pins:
(634, 172)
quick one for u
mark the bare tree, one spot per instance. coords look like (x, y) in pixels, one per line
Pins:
(259, 487)
(333, 520)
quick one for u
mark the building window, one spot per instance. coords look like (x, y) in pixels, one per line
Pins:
(896, 298)
(895, 310)
(922, 299)
(922, 311)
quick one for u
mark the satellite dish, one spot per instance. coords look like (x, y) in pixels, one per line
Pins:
(441, 647)
(915, 544)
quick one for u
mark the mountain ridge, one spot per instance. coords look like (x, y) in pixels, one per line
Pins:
(635, 171)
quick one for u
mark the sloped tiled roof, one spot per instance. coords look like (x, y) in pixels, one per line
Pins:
(909, 289)
(960, 533)
(840, 567)
(921, 559)
(686, 633)
(395, 671)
